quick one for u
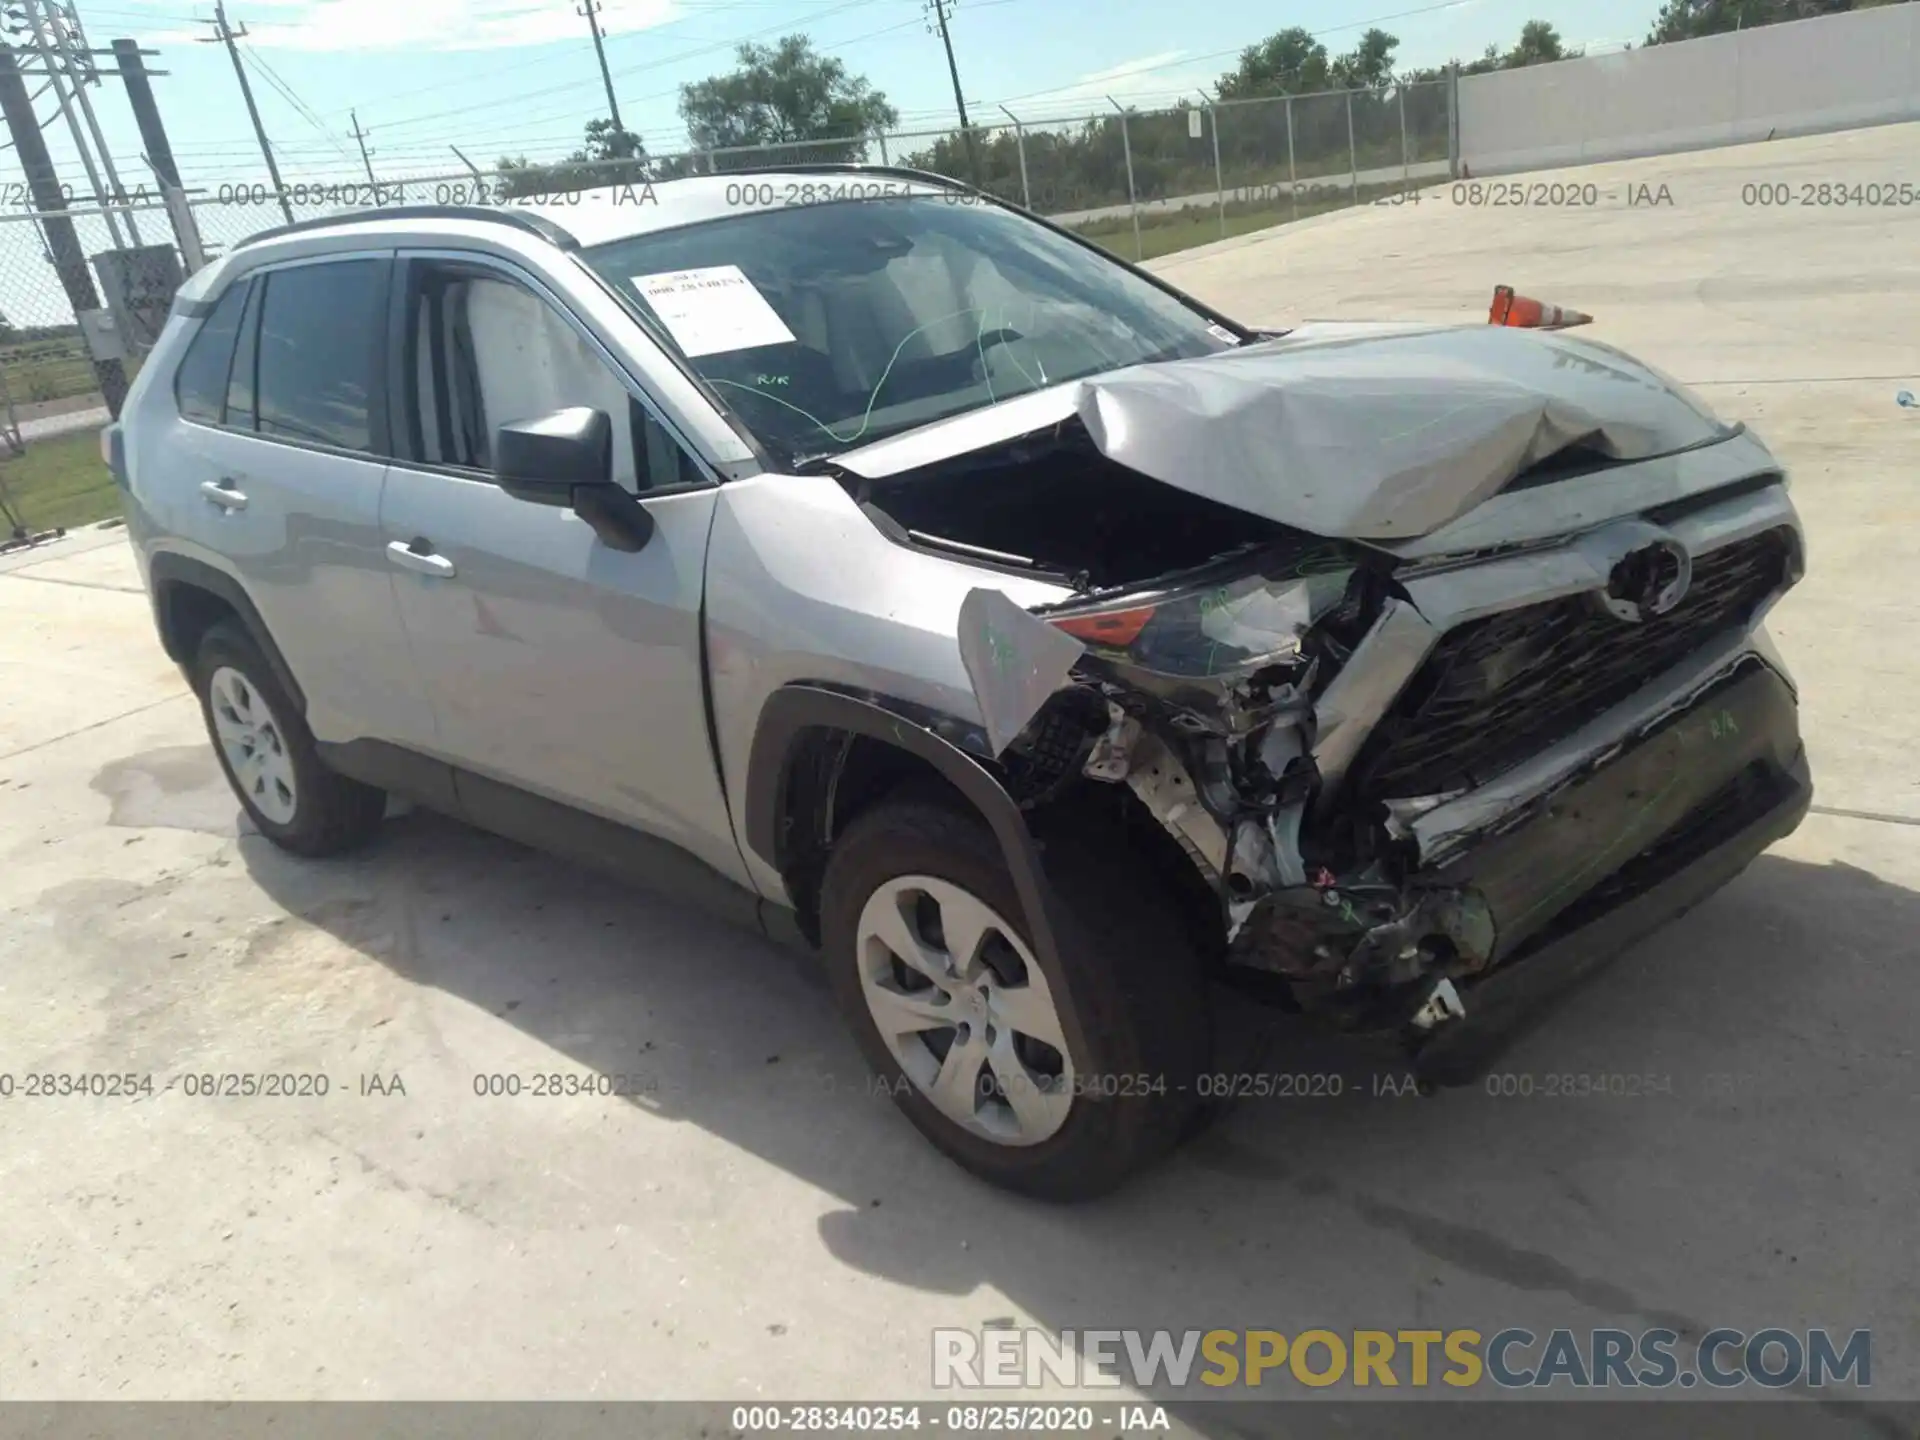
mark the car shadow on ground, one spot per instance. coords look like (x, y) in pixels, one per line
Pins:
(1646, 1156)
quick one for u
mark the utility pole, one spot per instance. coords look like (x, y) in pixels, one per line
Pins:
(226, 34)
(159, 153)
(146, 113)
(591, 9)
(361, 136)
(69, 260)
(959, 99)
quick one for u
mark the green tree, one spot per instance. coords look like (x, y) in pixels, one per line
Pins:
(608, 156)
(1369, 65)
(1289, 62)
(1690, 19)
(1292, 62)
(783, 93)
(1539, 44)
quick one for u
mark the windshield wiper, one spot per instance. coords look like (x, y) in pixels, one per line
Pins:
(813, 463)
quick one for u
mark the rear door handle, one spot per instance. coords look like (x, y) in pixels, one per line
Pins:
(418, 557)
(222, 493)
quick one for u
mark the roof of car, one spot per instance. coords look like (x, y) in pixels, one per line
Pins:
(573, 218)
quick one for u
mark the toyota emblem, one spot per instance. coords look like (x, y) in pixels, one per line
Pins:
(1649, 581)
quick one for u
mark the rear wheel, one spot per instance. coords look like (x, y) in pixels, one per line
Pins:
(268, 753)
(1056, 1085)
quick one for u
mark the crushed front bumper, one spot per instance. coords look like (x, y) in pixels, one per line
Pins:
(1620, 853)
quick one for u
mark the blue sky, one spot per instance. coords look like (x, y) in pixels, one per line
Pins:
(518, 76)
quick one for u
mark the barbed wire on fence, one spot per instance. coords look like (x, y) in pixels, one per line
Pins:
(1140, 182)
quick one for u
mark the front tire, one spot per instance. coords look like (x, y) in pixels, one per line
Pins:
(931, 963)
(268, 753)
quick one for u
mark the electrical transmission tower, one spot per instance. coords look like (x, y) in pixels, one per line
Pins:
(53, 31)
(47, 37)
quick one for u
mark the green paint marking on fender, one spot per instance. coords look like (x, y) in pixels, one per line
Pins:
(1001, 648)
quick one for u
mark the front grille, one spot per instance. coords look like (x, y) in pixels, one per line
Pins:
(1497, 690)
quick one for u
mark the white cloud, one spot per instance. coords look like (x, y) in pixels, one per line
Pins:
(1148, 81)
(436, 25)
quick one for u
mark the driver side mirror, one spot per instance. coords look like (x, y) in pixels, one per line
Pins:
(566, 459)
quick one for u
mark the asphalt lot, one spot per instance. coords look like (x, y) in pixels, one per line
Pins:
(754, 1225)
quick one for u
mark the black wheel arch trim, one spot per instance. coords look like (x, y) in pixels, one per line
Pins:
(796, 708)
(167, 571)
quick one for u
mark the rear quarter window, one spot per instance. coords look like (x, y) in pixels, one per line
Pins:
(200, 384)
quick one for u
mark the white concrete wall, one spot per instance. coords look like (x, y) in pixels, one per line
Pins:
(1833, 73)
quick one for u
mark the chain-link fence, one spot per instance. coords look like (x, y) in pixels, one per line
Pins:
(1177, 177)
(1141, 183)
(61, 367)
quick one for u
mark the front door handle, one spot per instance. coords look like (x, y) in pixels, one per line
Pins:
(417, 555)
(223, 494)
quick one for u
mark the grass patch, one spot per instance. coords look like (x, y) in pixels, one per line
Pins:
(1163, 232)
(61, 481)
(47, 370)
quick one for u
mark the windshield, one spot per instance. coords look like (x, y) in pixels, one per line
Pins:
(826, 327)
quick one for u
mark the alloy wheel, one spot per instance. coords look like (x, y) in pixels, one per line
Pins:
(254, 744)
(964, 1009)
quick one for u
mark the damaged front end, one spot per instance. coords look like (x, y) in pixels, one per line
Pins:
(1398, 777)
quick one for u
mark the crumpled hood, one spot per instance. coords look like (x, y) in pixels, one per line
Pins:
(1383, 432)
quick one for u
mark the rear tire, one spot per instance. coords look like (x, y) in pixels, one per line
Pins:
(268, 753)
(1129, 986)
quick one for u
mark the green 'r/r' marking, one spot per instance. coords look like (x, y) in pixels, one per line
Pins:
(1000, 650)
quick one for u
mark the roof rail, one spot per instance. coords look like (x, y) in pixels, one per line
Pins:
(520, 219)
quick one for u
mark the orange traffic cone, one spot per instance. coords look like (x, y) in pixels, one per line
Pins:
(1523, 313)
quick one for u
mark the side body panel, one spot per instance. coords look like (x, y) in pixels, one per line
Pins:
(296, 527)
(802, 589)
(556, 663)
(563, 666)
(308, 549)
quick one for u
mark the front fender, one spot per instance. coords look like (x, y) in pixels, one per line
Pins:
(795, 708)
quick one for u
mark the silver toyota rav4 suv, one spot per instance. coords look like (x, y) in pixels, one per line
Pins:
(1075, 668)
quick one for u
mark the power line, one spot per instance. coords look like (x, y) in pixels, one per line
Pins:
(515, 131)
(789, 26)
(300, 107)
(684, 10)
(225, 34)
(519, 135)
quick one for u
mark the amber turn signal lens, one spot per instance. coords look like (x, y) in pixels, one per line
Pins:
(1118, 628)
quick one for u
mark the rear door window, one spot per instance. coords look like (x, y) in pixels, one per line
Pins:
(200, 384)
(320, 329)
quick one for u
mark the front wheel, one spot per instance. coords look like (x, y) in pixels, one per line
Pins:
(1056, 1085)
